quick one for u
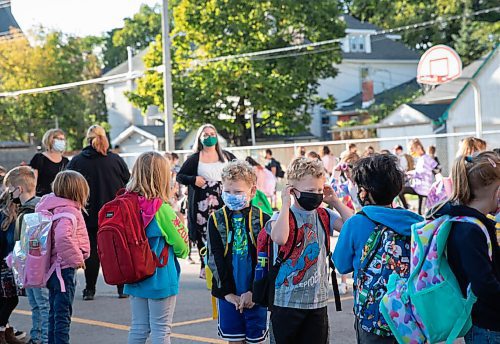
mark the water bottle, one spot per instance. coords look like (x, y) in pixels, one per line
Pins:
(261, 268)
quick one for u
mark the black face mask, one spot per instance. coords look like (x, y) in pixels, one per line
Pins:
(15, 200)
(309, 200)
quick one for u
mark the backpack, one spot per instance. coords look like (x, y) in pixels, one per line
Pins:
(263, 288)
(31, 256)
(385, 252)
(428, 306)
(122, 244)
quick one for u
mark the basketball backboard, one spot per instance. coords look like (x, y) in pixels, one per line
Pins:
(439, 65)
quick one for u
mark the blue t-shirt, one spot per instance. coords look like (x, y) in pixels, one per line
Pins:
(242, 260)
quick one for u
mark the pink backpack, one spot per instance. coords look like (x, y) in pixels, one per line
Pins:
(31, 256)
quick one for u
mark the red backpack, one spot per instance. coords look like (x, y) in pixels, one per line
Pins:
(263, 291)
(122, 245)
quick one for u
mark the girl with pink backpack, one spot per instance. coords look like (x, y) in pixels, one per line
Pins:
(70, 247)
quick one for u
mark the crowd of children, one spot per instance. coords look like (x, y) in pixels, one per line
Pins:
(354, 196)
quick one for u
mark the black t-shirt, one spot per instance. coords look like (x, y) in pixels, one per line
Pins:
(47, 170)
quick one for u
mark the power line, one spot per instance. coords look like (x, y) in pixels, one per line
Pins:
(257, 55)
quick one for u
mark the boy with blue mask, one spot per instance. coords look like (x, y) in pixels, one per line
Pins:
(232, 256)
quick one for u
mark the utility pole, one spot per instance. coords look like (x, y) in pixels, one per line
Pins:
(167, 81)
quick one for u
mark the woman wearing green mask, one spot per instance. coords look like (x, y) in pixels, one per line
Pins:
(201, 172)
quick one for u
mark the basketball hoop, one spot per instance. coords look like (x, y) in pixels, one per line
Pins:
(438, 65)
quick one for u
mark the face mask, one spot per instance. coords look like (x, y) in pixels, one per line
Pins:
(210, 141)
(234, 202)
(59, 145)
(15, 200)
(309, 200)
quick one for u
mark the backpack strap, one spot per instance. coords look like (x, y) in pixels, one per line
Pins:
(462, 319)
(282, 256)
(226, 220)
(478, 223)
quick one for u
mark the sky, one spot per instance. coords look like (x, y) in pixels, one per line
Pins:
(78, 17)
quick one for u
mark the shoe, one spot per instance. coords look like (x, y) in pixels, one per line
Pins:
(191, 261)
(203, 274)
(88, 295)
(10, 338)
(19, 334)
(342, 288)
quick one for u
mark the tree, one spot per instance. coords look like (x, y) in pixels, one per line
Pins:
(53, 59)
(138, 32)
(277, 92)
(395, 13)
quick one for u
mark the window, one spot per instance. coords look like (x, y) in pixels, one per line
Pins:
(357, 43)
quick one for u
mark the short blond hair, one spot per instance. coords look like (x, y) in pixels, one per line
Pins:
(301, 167)
(21, 176)
(71, 185)
(48, 138)
(239, 170)
(151, 176)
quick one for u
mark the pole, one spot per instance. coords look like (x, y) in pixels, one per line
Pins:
(477, 108)
(167, 81)
(252, 129)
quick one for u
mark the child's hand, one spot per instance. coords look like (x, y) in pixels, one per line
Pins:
(235, 300)
(329, 195)
(246, 301)
(286, 197)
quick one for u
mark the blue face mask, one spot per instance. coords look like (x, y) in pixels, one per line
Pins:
(234, 202)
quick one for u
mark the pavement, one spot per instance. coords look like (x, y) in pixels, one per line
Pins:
(107, 318)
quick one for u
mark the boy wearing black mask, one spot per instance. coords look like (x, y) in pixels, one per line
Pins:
(299, 314)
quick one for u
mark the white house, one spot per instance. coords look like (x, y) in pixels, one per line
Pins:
(371, 64)
(449, 108)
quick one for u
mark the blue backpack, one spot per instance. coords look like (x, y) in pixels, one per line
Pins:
(384, 253)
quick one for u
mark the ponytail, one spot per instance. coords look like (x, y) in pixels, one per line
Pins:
(96, 137)
(471, 173)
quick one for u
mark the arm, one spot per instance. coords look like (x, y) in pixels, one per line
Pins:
(216, 261)
(281, 228)
(173, 230)
(63, 241)
(187, 173)
(344, 253)
(125, 174)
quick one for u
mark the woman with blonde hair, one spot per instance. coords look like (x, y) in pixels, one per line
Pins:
(106, 173)
(202, 173)
(51, 161)
(471, 145)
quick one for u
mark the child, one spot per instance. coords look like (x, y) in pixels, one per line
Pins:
(299, 314)
(239, 319)
(476, 193)
(153, 300)
(70, 248)
(379, 180)
(8, 288)
(21, 184)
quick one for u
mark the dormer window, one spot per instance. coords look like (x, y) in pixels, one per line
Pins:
(357, 43)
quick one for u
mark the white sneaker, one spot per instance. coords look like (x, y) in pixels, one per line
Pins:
(343, 288)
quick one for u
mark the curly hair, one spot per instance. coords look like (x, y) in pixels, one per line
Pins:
(301, 167)
(239, 170)
(380, 176)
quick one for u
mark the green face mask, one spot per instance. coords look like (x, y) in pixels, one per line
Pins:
(210, 141)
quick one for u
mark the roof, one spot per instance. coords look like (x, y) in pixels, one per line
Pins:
(152, 132)
(7, 20)
(446, 93)
(431, 111)
(384, 48)
(137, 64)
(386, 96)
(355, 24)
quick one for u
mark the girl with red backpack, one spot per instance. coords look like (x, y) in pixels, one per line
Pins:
(153, 299)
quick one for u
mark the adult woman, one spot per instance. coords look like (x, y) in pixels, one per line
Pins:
(202, 173)
(8, 289)
(329, 160)
(266, 181)
(421, 178)
(106, 173)
(50, 162)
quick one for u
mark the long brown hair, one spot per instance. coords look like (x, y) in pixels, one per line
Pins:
(151, 176)
(8, 209)
(474, 172)
(71, 185)
(198, 145)
(96, 137)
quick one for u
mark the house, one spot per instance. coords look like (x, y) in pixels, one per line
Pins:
(371, 64)
(449, 108)
(7, 20)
